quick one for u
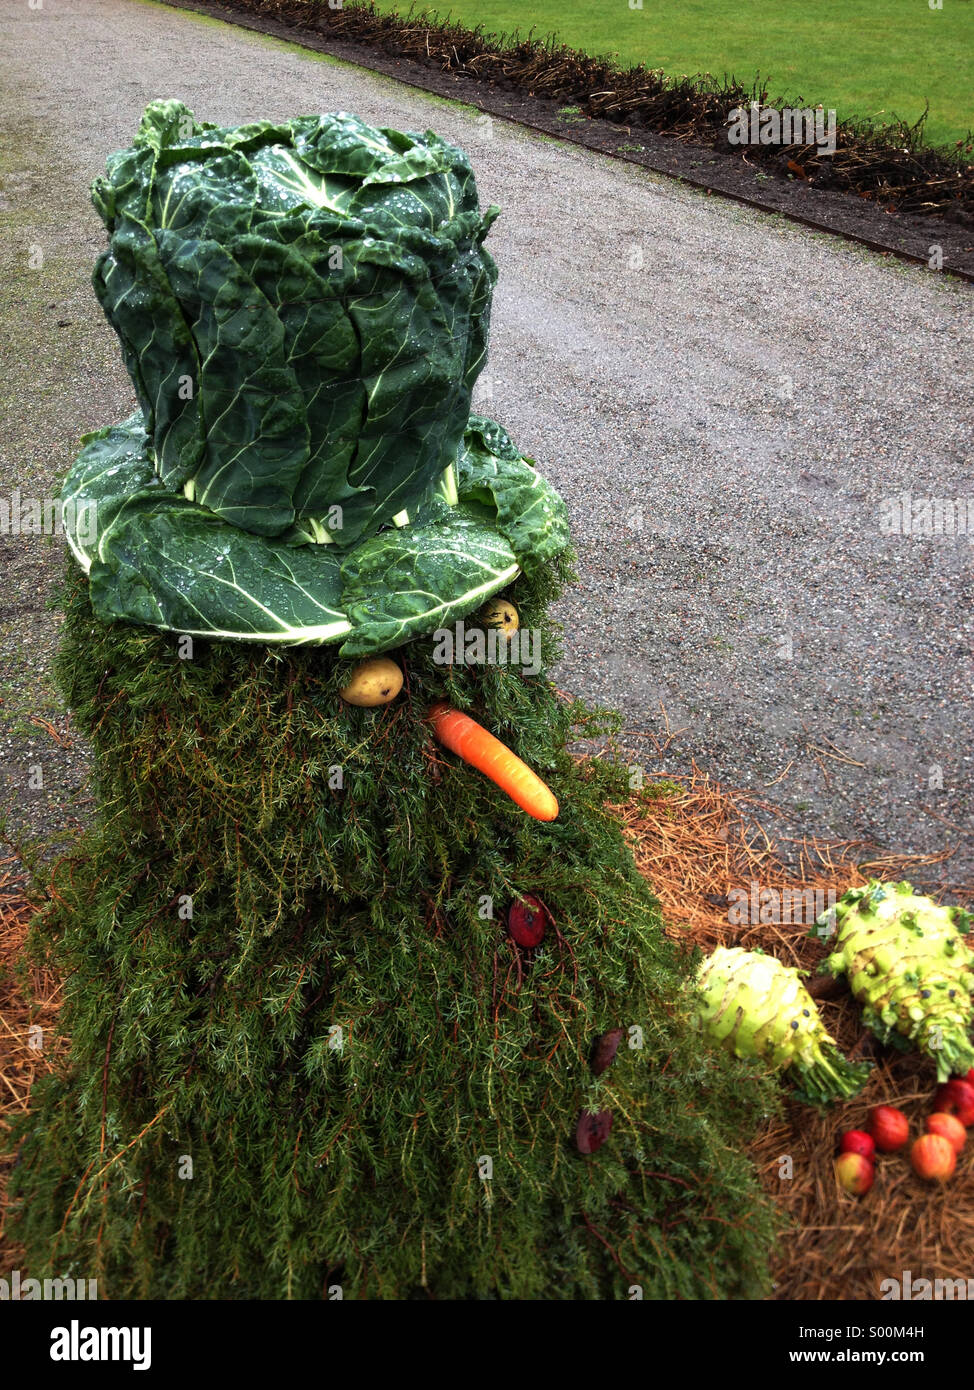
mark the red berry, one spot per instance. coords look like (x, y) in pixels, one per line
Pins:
(593, 1130)
(857, 1141)
(605, 1050)
(956, 1098)
(933, 1158)
(889, 1127)
(855, 1173)
(526, 921)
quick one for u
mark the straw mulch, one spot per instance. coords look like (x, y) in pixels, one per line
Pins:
(22, 1061)
(696, 843)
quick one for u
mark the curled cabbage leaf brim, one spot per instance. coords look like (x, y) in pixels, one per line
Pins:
(155, 557)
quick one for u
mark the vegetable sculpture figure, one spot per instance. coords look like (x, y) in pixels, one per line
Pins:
(753, 1005)
(910, 967)
(355, 1001)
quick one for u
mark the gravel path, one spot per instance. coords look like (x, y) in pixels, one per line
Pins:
(724, 399)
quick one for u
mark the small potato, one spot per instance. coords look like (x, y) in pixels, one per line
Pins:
(374, 682)
(501, 614)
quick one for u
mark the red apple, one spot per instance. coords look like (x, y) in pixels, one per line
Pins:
(855, 1173)
(956, 1098)
(889, 1127)
(857, 1141)
(949, 1128)
(933, 1158)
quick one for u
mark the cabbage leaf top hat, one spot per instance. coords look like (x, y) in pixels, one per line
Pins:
(303, 309)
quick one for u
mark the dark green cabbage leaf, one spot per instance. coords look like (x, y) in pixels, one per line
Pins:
(529, 512)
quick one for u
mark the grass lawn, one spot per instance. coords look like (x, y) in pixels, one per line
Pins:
(878, 58)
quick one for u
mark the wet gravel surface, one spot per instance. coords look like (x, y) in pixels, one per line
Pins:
(725, 400)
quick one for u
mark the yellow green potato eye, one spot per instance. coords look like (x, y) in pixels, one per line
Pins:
(374, 682)
(501, 614)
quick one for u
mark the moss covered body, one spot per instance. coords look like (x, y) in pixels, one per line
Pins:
(909, 966)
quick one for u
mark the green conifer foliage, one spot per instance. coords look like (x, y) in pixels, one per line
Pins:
(334, 1067)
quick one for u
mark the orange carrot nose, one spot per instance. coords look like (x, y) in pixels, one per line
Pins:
(471, 742)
